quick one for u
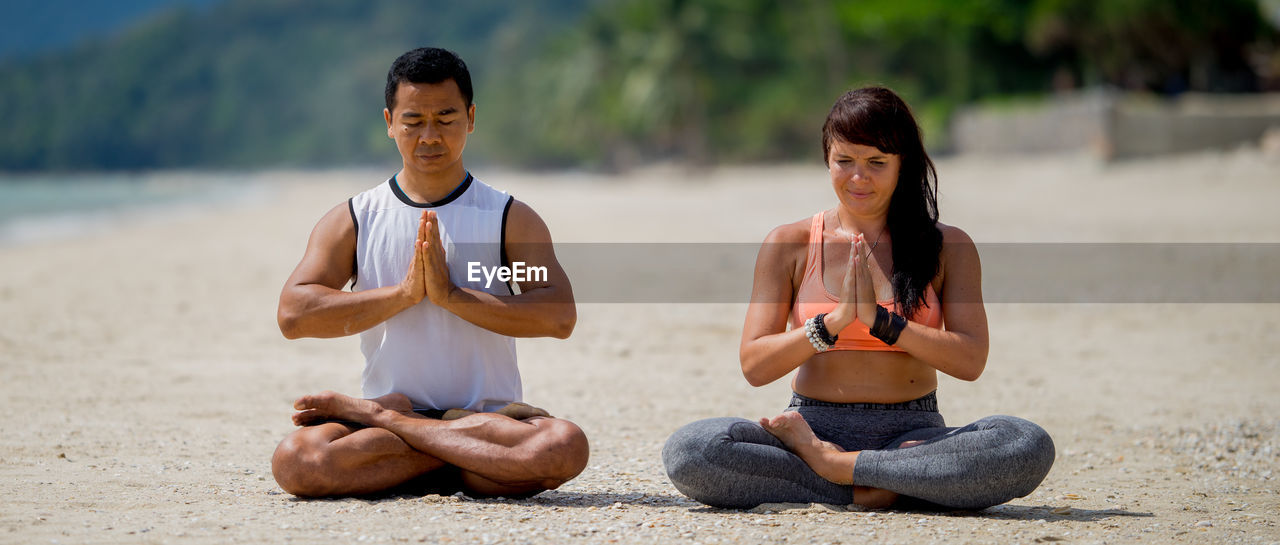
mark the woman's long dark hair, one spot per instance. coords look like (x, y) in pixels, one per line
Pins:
(878, 117)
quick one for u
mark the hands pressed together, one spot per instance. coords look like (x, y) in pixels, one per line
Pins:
(859, 292)
(428, 275)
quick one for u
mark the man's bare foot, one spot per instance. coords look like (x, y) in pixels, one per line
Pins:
(335, 406)
(521, 411)
(454, 414)
(394, 402)
(822, 456)
(515, 410)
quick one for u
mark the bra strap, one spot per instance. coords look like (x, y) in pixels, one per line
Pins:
(814, 261)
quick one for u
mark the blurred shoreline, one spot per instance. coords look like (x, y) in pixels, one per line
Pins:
(41, 207)
(1217, 187)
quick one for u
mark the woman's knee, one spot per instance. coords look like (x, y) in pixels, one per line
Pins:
(1035, 444)
(692, 457)
(1030, 450)
(1040, 453)
(688, 447)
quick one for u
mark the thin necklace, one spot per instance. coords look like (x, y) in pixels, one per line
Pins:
(840, 224)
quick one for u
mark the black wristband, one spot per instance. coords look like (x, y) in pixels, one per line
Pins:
(888, 326)
(820, 323)
(898, 324)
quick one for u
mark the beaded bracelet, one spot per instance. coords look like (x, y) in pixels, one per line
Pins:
(811, 331)
(888, 325)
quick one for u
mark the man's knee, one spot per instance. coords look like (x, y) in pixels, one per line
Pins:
(565, 450)
(298, 466)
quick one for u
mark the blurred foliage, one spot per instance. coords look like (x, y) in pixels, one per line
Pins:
(28, 27)
(247, 83)
(752, 80)
(596, 83)
(1160, 45)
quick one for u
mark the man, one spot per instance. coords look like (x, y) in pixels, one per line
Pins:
(436, 329)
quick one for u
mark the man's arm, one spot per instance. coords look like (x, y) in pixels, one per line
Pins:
(313, 303)
(543, 308)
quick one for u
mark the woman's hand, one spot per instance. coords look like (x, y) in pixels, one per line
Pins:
(859, 290)
(863, 261)
(847, 310)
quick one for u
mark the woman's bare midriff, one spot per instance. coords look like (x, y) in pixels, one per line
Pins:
(851, 376)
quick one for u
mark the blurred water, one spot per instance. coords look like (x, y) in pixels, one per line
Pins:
(40, 207)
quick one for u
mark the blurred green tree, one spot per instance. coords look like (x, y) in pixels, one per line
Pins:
(603, 83)
(1153, 45)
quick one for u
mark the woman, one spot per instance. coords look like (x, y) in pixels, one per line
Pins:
(863, 425)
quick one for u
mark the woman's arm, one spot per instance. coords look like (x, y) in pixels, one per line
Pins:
(961, 349)
(768, 351)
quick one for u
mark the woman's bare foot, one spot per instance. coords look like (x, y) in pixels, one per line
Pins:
(335, 406)
(873, 498)
(826, 459)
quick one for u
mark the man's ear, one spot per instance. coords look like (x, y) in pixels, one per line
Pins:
(386, 116)
(471, 117)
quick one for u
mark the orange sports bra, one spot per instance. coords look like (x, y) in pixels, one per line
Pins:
(813, 298)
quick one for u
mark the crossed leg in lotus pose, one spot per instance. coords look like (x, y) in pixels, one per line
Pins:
(518, 453)
(826, 459)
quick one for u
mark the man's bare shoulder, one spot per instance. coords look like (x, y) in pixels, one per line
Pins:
(339, 220)
(331, 250)
(525, 225)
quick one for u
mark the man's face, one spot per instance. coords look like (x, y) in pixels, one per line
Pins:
(430, 125)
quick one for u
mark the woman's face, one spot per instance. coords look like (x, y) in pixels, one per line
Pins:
(863, 176)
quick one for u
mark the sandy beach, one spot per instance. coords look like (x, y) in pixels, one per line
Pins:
(145, 384)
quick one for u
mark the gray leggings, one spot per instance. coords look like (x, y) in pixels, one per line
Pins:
(735, 463)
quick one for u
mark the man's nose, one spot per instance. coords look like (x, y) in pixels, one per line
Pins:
(430, 133)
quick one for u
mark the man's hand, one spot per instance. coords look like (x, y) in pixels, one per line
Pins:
(430, 253)
(413, 288)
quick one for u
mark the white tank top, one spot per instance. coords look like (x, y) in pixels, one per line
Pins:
(437, 359)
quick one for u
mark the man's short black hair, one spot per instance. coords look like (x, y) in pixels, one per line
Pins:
(428, 65)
